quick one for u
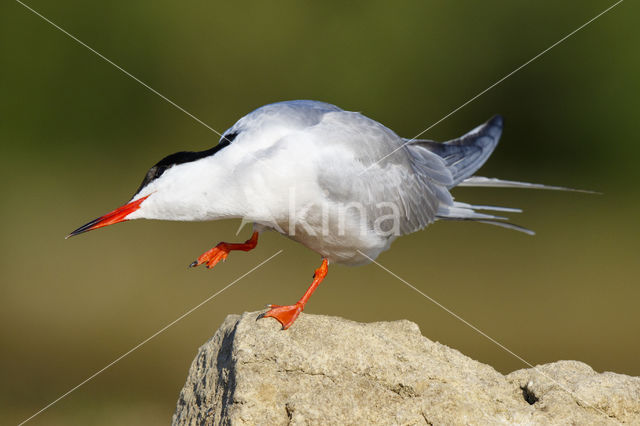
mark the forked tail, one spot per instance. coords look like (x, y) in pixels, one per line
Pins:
(464, 211)
(500, 183)
(463, 157)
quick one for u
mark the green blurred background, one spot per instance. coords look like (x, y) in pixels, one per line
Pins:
(78, 135)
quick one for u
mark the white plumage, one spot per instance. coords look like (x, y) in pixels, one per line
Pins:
(294, 163)
(335, 181)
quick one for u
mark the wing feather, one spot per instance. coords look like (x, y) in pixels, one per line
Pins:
(415, 182)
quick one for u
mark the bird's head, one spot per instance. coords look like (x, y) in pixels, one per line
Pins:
(166, 192)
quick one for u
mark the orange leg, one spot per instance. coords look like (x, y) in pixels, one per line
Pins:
(221, 251)
(287, 315)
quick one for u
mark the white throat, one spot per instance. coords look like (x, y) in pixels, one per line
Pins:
(201, 190)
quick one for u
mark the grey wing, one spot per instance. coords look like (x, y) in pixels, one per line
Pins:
(415, 176)
(294, 115)
(376, 168)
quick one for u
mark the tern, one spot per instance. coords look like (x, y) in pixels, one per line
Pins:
(336, 181)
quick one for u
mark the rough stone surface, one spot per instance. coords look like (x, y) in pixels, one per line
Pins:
(327, 370)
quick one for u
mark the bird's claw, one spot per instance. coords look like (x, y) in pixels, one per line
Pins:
(286, 315)
(212, 257)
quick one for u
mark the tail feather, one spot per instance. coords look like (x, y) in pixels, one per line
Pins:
(508, 225)
(493, 208)
(463, 157)
(499, 221)
(501, 183)
(467, 212)
(464, 211)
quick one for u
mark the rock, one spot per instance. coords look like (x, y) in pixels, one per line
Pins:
(328, 370)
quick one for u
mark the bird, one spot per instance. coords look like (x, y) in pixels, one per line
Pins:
(336, 181)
